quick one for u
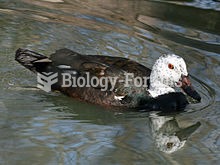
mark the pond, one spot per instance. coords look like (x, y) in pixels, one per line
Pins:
(50, 128)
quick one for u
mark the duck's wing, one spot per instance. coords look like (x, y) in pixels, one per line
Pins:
(104, 67)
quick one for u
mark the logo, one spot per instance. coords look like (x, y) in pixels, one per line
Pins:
(46, 80)
(70, 80)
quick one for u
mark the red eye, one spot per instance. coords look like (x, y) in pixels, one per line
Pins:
(170, 66)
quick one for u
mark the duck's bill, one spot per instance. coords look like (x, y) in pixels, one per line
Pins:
(184, 133)
(188, 88)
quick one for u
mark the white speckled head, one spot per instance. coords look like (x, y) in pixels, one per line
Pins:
(166, 73)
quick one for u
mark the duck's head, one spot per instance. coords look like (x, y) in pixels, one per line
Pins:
(168, 72)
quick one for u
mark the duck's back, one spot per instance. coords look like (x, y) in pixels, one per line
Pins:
(98, 62)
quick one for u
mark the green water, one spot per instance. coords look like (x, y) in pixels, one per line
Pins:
(49, 128)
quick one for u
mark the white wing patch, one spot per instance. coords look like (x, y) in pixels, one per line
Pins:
(118, 97)
(64, 66)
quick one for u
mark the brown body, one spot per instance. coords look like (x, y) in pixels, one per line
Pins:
(96, 65)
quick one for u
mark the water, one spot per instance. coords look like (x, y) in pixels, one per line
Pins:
(50, 128)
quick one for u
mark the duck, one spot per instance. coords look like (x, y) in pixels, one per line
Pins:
(114, 81)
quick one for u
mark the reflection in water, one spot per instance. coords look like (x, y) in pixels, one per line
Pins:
(167, 134)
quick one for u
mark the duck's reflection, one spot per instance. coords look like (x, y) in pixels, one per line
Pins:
(168, 135)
